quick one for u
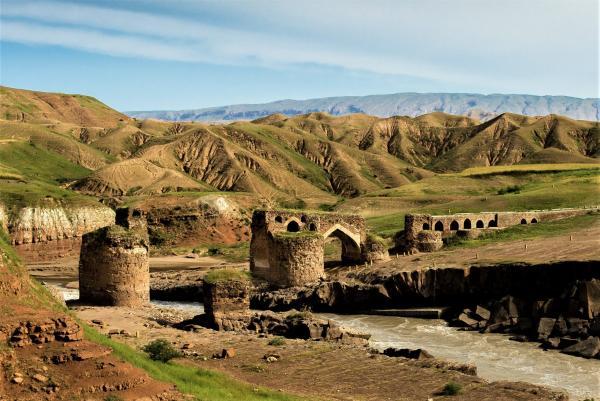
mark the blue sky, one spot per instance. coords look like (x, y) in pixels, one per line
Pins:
(143, 55)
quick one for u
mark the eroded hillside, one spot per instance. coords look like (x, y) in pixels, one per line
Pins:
(312, 159)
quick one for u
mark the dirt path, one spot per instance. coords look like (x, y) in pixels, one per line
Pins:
(318, 370)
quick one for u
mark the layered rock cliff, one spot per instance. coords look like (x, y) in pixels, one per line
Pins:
(41, 224)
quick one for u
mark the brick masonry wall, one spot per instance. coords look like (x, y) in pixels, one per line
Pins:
(226, 296)
(296, 260)
(114, 267)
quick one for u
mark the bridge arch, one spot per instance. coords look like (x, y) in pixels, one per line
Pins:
(479, 224)
(350, 241)
(523, 221)
(425, 226)
(439, 226)
(293, 227)
(454, 225)
(467, 224)
(534, 220)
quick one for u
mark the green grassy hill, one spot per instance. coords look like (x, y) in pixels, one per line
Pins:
(307, 160)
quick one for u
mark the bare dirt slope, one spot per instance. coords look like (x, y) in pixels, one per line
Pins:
(60, 364)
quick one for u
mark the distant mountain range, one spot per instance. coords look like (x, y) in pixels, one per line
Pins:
(482, 107)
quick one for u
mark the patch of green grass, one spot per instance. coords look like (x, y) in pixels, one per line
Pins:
(452, 388)
(277, 341)
(527, 231)
(297, 234)
(203, 384)
(215, 276)
(37, 163)
(40, 173)
(296, 204)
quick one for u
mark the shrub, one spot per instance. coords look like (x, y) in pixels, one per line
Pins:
(277, 341)
(451, 388)
(113, 397)
(293, 204)
(513, 189)
(213, 251)
(161, 350)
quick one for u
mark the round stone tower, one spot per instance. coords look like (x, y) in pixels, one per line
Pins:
(296, 258)
(114, 268)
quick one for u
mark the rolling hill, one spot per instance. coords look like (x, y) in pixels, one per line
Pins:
(80, 147)
(483, 107)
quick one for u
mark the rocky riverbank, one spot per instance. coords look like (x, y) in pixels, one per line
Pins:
(569, 322)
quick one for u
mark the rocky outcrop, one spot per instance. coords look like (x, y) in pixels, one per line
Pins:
(570, 321)
(215, 219)
(42, 224)
(300, 325)
(325, 296)
(39, 332)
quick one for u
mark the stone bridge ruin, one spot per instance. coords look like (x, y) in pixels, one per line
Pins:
(425, 233)
(287, 247)
(113, 266)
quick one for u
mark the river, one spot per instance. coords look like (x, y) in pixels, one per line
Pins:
(496, 357)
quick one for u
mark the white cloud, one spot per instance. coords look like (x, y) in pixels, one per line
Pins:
(128, 33)
(500, 43)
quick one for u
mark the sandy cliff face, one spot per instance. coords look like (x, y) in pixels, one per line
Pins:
(42, 224)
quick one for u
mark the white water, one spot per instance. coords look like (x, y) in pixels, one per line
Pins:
(496, 357)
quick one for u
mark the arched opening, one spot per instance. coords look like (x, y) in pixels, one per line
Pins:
(479, 224)
(425, 226)
(523, 221)
(312, 227)
(293, 227)
(454, 225)
(279, 219)
(341, 249)
(467, 224)
(533, 221)
(439, 226)
(492, 223)
(136, 213)
(303, 219)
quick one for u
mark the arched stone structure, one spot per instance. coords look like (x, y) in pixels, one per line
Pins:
(268, 254)
(449, 225)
